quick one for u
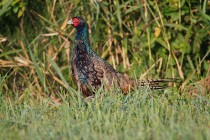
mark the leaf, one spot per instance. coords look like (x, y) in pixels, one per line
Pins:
(57, 69)
(157, 32)
(5, 7)
(37, 68)
(20, 12)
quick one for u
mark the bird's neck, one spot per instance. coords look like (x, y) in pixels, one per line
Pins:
(83, 35)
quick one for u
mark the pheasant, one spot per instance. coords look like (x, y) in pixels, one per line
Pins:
(90, 71)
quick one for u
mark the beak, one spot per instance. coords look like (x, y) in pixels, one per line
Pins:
(70, 22)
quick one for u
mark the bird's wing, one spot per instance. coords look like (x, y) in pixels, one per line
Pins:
(112, 77)
(94, 71)
(89, 71)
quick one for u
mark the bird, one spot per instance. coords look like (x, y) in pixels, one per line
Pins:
(90, 71)
(201, 87)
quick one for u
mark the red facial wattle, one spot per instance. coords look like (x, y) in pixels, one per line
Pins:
(75, 22)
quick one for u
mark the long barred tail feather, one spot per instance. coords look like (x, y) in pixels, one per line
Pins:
(156, 84)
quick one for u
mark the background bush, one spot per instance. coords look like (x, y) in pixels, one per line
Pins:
(142, 38)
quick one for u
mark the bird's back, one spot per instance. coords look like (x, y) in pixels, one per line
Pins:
(91, 70)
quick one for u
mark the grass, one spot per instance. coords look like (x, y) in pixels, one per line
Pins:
(143, 114)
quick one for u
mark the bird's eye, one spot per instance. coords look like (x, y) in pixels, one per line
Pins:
(76, 22)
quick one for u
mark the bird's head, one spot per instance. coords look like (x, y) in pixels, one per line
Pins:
(77, 22)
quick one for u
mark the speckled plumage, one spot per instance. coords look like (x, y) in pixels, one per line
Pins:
(90, 71)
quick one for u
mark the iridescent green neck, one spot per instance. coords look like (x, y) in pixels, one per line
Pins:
(83, 35)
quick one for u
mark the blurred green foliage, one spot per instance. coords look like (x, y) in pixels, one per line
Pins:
(149, 38)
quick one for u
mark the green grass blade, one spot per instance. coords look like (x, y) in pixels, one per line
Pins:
(57, 69)
(37, 68)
